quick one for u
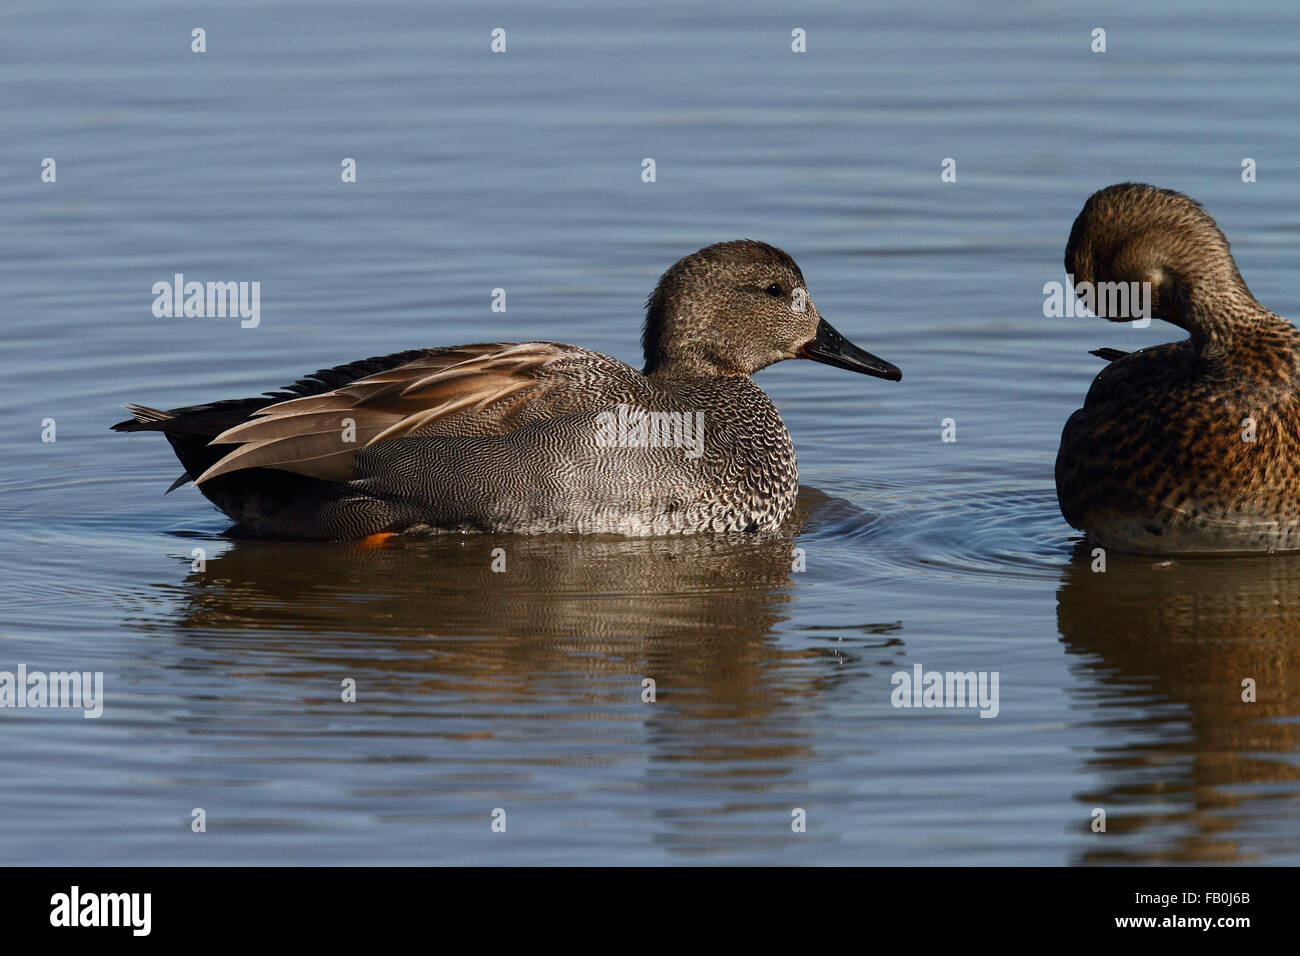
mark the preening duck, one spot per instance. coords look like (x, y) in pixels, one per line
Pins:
(1193, 446)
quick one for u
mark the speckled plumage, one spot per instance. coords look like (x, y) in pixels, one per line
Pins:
(1158, 460)
(507, 437)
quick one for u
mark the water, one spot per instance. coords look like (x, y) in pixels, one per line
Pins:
(522, 690)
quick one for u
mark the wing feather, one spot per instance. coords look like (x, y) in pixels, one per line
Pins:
(439, 391)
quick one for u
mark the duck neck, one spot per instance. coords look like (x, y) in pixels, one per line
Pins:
(1217, 316)
(698, 364)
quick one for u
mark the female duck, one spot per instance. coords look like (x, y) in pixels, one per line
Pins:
(1192, 446)
(534, 436)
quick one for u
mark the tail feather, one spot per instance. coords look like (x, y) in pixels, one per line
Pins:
(1110, 355)
(146, 419)
(191, 430)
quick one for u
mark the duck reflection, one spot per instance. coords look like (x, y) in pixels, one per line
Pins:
(1151, 633)
(693, 612)
(554, 627)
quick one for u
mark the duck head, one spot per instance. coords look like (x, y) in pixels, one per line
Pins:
(1134, 233)
(736, 307)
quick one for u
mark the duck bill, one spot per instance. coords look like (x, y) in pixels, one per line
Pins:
(831, 348)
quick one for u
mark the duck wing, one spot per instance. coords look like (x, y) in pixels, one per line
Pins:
(467, 390)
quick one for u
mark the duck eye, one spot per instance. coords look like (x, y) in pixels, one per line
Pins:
(774, 289)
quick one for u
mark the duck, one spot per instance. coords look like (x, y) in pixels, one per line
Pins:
(533, 437)
(1192, 446)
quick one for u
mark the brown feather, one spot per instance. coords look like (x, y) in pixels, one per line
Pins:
(303, 435)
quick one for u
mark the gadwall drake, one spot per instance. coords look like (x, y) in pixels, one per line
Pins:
(1193, 446)
(534, 436)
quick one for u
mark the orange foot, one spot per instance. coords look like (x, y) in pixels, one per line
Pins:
(377, 539)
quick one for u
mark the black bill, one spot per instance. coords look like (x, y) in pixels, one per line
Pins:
(831, 348)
